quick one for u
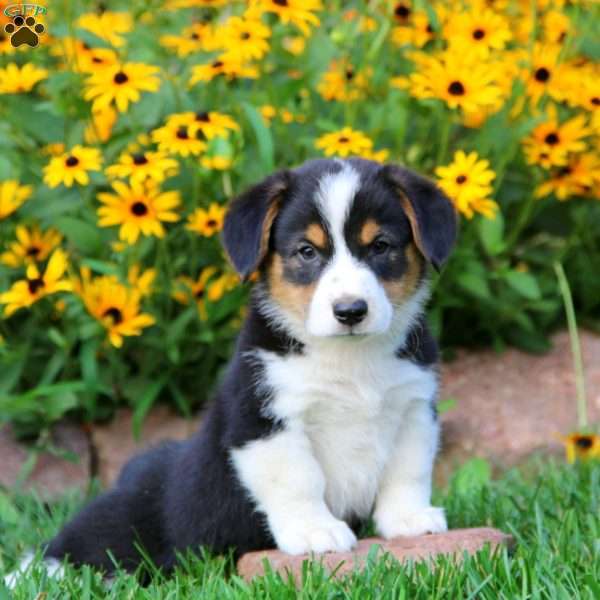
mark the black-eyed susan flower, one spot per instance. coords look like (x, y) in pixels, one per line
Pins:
(344, 143)
(12, 195)
(187, 288)
(456, 78)
(207, 222)
(582, 446)
(120, 84)
(544, 74)
(36, 285)
(32, 245)
(184, 140)
(300, 13)
(114, 305)
(140, 208)
(108, 25)
(141, 281)
(244, 39)
(198, 37)
(556, 25)
(579, 177)
(477, 31)
(417, 32)
(268, 112)
(228, 66)
(341, 82)
(221, 285)
(139, 166)
(80, 57)
(101, 125)
(550, 142)
(17, 80)
(72, 166)
(211, 123)
(467, 182)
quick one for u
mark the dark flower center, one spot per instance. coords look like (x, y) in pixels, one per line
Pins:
(203, 116)
(584, 442)
(115, 314)
(429, 28)
(120, 78)
(456, 88)
(217, 64)
(195, 36)
(139, 209)
(349, 74)
(139, 159)
(72, 161)
(199, 294)
(35, 284)
(343, 139)
(97, 60)
(182, 133)
(33, 251)
(402, 11)
(551, 139)
(542, 74)
(478, 34)
(211, 223)
(245, 35)
(280, 2)
(595, 101)
(564, 171)
(461, 179)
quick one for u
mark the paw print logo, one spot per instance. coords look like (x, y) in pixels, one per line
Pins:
(24, 31)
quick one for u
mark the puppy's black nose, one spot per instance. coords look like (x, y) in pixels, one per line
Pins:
(350, 313)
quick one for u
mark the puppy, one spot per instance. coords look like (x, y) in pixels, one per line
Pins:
(326, 415)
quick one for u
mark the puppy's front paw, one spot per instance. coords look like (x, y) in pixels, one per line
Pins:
(426, 520)
(322, 535)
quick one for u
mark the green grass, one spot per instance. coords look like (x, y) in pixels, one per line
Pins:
(553, 511)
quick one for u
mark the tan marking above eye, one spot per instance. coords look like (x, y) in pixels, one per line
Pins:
(316, 235)
(293, 299)
(400, 290)
(368, 232)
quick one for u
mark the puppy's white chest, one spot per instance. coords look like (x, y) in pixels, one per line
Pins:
(351, 408)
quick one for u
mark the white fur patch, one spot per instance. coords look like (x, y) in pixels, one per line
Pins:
(52, 566)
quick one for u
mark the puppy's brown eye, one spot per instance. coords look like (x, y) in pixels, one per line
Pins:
(380, 246)
(307, 252)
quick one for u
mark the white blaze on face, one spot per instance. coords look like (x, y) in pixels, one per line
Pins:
(345, 279)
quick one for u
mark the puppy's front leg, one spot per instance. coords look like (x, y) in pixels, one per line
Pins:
(288, 486)
(403, 505)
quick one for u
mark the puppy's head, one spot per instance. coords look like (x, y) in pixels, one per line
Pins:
(341, 246)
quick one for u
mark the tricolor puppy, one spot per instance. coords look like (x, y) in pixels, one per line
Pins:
(326, 414)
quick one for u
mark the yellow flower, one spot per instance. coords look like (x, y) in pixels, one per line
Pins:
(108, 26)
(207, 222)
(341, 82)
(212, 124)
(223, 284)
(183, 140)
(175, 4)
(461, 81)
(294, 44)
(298, 12)
(144, 165)
(268, 112)
(550, 143)
(582, 446)
(81, 58)
(36, 286)
(198, 37)
(477, 31)
(141, 282)
(244, 39)
(32, 245)
(139, 209)
(72, 167)
(216, 163)
(467, 181)
(121, 84)
(101, 125)
(417, 33)
(556, 26)
(15, 80)
(114, 305)
(344, 143)
(12, 195)
(198, 290)
(544, 75)
(54, 149)
(229, 66)
(581, 176)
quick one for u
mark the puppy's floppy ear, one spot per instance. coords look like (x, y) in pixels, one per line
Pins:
(432, 216)
(248, 222)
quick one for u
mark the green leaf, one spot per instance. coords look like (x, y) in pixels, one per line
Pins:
(474, 283)
(145, 403)
(475, 473)
(491, 233)
(263, 136)
(8, 512)
(84, 236)
(524, 284)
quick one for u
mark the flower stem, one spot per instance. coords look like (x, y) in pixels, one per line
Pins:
(563, 284)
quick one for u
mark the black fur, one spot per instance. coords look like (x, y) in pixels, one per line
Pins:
(185, 495)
